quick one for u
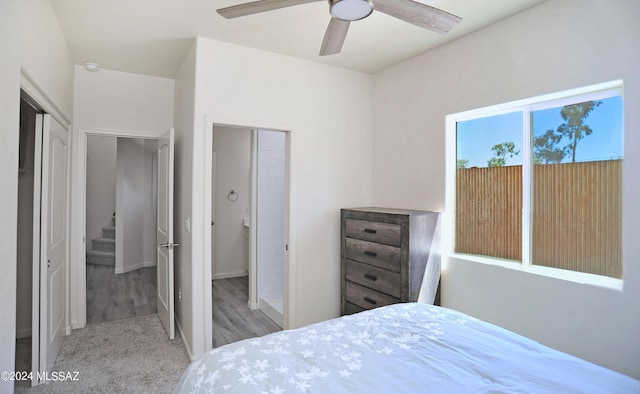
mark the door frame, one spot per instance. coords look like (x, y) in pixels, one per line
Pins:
(289, 220)
(78, 281)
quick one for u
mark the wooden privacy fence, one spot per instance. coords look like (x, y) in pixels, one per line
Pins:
(576, 215)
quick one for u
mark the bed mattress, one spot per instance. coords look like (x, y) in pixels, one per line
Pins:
(402, 348)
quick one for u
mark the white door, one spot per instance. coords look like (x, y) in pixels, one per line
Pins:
(164, 234)
(51, 233)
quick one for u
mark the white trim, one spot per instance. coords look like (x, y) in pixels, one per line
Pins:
(571, 276)
(23, 333)
(234, 274)
(184, 342)
(253, 226)
(527, 190)
(206, 275)
(35, 289)
(78, 284)
(141, 264)
(553, 100)
(290, 264)
(271, 312)
(599, 91)
(29, 86)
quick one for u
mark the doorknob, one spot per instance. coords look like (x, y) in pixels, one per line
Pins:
(169, 245)
(48, 263)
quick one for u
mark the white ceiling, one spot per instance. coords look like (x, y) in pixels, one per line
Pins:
(153, 36)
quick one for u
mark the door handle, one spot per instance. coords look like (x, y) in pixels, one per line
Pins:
(169, 245)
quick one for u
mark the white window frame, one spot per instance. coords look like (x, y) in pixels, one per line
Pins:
(554, 100)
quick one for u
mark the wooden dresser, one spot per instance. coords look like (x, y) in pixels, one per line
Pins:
(384, 254)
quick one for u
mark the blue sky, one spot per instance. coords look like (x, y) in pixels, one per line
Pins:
(476, 137)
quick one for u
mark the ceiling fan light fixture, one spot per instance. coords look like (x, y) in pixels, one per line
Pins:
(350, 10)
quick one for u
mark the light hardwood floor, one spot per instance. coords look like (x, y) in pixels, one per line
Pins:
(232, 318)
(112, 296)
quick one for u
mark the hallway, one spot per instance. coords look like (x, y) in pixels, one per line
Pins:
(113, 296)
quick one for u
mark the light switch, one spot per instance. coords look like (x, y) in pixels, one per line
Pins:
(187, 224)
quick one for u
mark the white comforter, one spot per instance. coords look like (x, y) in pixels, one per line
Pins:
(403, 348)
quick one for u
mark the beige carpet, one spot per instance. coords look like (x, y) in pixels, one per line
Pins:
(126, 356)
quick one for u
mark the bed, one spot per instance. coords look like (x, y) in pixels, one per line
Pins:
(401, 348)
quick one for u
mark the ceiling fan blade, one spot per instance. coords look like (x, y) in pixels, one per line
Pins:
(334, 37)
(419, 14)
(258, 6)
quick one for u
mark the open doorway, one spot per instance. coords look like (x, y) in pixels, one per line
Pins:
(121, 213)
(25, 256)
(248, 232)
(140, 144)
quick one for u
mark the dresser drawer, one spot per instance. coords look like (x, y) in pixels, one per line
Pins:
(350, 308)
(385, 233)
(367, 298)
(382, 256)
(374, 278)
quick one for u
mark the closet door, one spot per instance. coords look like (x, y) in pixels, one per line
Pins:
(50, 243)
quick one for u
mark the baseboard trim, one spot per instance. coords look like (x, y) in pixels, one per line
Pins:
(142, 264)
(227, 275)
(271, 312)
(184, 341)
(23, 333)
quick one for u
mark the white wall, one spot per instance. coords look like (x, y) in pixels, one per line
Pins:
(101, 184)
(184, 97)
(270, 215)
(30, 39)
(136, 205)
(9, 142)
(233, 165)
(557, 45)
(122, 101)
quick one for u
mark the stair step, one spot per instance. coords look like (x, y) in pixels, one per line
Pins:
(109, 232)
(101, 257)
(104, 244)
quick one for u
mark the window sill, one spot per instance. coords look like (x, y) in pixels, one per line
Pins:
(556, 273)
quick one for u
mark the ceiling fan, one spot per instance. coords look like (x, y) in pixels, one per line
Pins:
(343, 12)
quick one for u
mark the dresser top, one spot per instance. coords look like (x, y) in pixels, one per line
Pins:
(396, 211)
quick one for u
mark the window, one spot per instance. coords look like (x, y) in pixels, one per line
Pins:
(538, 182)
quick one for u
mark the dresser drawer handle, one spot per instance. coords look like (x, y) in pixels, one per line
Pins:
(371, 277)
(368, 253)
(370, 301)
(370, 231)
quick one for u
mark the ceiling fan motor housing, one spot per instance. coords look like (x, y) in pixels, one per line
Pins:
(350, 10)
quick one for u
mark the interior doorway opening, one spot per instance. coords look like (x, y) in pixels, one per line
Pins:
(249, 210)
(161, 239)
(24, 288)
(121, 220)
